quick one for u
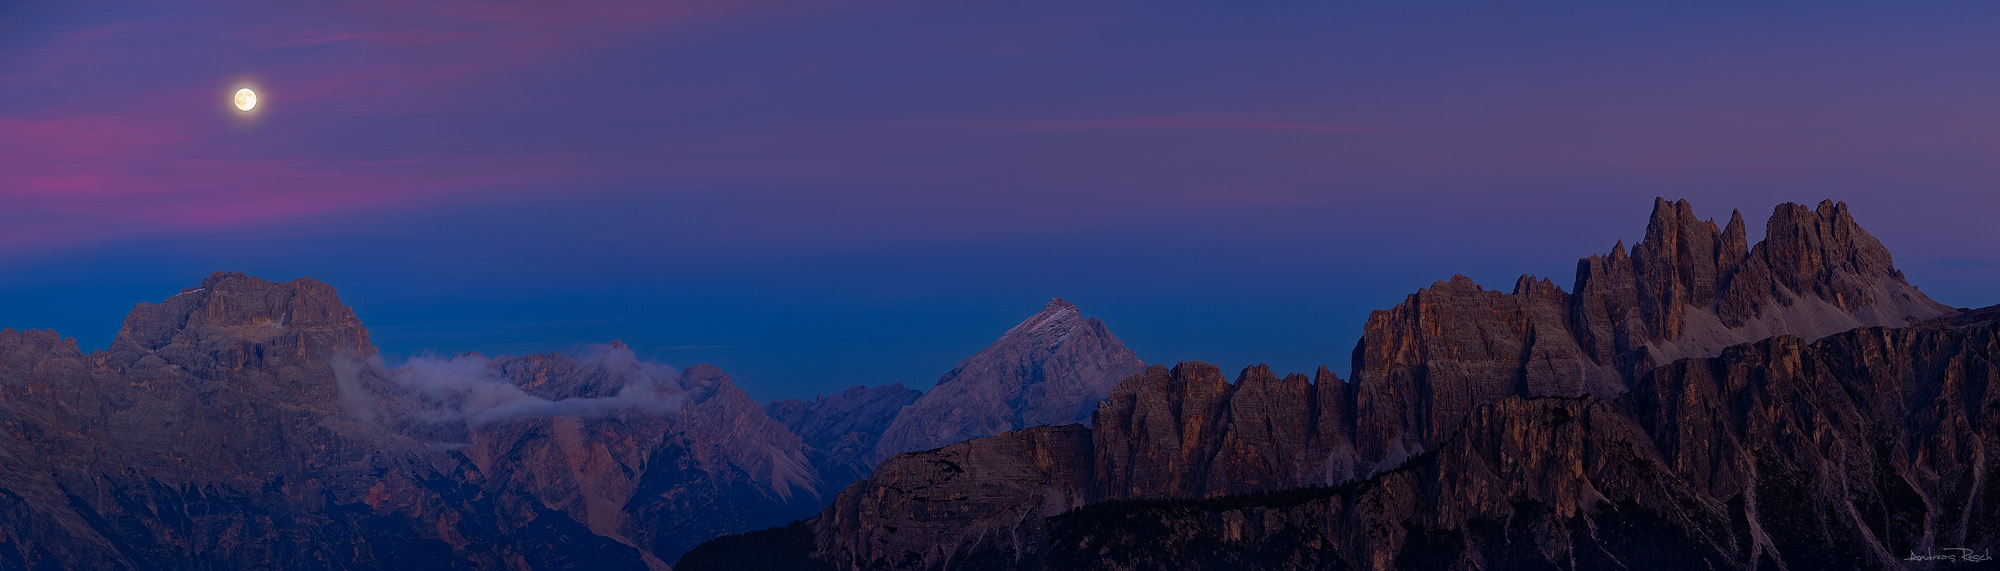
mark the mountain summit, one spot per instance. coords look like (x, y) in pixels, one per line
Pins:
(1688, 289)
(1053, 368)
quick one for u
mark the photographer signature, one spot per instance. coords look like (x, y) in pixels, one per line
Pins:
(1953, 555)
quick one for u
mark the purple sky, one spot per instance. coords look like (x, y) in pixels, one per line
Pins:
(819, 194)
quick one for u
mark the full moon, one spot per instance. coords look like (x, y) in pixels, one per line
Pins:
(246, 99)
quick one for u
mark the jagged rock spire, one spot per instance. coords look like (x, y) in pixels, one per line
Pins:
(1688, 289)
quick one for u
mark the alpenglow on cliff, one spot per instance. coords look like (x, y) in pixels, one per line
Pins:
(1052, 369)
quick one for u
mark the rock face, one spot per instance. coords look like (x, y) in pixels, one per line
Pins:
(993, 493)
(273, 338)
(845, 426)
(1451, 348)
(1180, 432)
(1188, 433)
(241, 424)
(1852, 452)
(1418, 432)
(1688, 289)
(1050, 370)
(1422, 366)
(658, 482)
(1543, 483)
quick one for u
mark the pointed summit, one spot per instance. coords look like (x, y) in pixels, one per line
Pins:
(1052, 368)
(1734, 246)
(1057, 315)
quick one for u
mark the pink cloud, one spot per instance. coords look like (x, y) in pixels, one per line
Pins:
(1150, 123)
(74, 180)
(156, 160)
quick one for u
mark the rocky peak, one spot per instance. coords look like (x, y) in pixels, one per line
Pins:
(1688, 289)
(230, 307)
(276, 340)
(704, 381)
(1815, 273)
(1052, 368)
(1823, 252)
(1530, 286)
(1052, 325)
(1677, 265)
(1735, 243)
(1689, 279)
(743, 433)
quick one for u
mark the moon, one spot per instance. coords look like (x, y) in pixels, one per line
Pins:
(246, 99)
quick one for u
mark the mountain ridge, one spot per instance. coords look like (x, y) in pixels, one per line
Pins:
(260, 399)
(267, 398)
(1420, 370)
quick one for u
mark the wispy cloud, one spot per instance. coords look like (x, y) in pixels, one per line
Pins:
(1146, 124)
(469, 390)
(76, 179)
(81, 161)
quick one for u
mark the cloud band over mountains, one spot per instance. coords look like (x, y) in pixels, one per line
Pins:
(470, 389)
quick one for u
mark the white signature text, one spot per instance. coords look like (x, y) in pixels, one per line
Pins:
(1953, 555)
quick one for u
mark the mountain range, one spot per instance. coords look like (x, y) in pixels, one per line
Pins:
(248, 424)
(1697, 403)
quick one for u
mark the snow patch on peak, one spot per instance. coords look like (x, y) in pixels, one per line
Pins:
(1045, 320)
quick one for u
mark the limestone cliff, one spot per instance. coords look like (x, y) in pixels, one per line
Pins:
(1688, 289)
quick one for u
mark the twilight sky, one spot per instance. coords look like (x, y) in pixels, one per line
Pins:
(820, 194)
